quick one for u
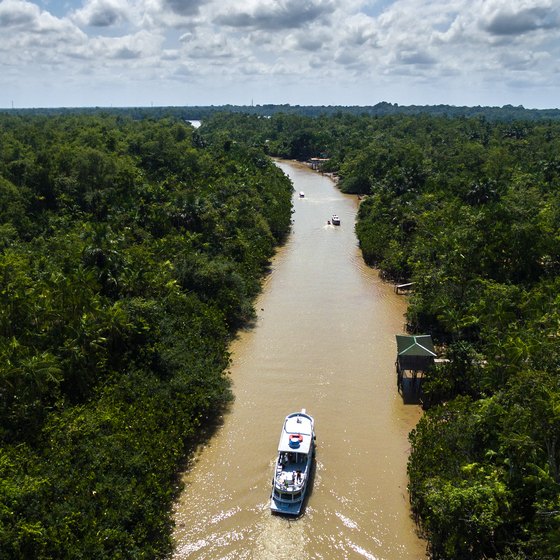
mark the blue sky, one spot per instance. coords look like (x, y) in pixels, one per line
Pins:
(106, 53)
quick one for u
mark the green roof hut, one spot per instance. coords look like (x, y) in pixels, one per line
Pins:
(415, 353)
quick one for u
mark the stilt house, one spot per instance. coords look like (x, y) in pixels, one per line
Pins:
(415, 354)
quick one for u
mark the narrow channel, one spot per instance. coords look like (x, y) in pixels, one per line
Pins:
(324, 340)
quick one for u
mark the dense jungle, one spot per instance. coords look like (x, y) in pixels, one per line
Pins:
(132, 249)
(468, 210)
(129, 257)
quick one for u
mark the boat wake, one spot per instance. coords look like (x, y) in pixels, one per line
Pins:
(281, 539)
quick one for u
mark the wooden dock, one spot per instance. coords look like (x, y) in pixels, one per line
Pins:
(402, 288)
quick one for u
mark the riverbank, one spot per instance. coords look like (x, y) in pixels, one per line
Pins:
(323, 340)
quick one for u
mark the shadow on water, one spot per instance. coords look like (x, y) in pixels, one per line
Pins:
(411, 390)
(204, 434)
(310, 484)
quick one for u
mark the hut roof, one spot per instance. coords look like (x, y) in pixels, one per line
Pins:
(415, 345)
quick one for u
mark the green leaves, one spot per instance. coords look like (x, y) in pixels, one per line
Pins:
(468, 212)
(127, 259)
(467, 517)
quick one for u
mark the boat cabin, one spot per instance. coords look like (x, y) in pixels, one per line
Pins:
(293, 464)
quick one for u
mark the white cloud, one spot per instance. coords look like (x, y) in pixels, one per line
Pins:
(308, 42)
(525, 16)
(179, 14)
(31, 35)
(359, 30)
(183, 7)
(102, 13)
(215, 48)
(274, 15)
(404, 46)
(143, 46)
(19, 16)
(15, 14)
(416, 57)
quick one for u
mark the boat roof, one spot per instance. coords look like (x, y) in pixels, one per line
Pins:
(298, 423)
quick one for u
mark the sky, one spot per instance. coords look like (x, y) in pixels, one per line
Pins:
(122, 53)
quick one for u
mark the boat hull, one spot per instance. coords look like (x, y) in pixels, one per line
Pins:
(281, 508)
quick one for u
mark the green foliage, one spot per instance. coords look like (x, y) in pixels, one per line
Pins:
(469, 217)
(131, 250)
(462, 374)
(506, 113)
(129, 254)
(460, 495)
(467, 210)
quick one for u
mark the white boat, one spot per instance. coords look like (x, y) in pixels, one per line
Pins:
(301, 194)
(293, 466)
(335, 220)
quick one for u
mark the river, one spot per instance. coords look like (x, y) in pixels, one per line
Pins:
(324, 340)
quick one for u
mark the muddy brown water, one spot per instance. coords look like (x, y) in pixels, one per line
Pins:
(324, 340)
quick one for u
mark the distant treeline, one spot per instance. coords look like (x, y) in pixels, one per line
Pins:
(469, 210)
(504, 113)
(129, 255)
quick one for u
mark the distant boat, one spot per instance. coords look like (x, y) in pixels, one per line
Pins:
(301, 194)
(292, 469)
(335, 220)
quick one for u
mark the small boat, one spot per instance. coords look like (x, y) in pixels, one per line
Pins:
(335, 220)
(301, 194)
(292, 469)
